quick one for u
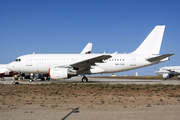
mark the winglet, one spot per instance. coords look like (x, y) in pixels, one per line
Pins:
(87, 49)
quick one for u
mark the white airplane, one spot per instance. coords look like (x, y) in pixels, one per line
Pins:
(4, 72)
(168, 72)
(63, 66)
(87, 50)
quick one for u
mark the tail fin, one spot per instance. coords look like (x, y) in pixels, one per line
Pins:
(152, 43)
(87, 49)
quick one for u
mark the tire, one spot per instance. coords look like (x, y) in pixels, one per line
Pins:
(30, 80)
(84, 79)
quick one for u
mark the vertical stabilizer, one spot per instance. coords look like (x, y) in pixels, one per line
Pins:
(152, 43)
(87, 49)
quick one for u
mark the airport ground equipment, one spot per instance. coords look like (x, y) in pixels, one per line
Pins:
(17, 79)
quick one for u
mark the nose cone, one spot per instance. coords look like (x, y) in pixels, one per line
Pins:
(158, 73)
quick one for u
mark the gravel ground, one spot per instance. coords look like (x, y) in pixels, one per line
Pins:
(89, 102)
(88, 112)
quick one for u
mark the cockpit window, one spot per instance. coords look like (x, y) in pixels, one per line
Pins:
(18, 60)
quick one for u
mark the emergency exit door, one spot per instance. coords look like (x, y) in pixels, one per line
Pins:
(29, 60)
(133, 60)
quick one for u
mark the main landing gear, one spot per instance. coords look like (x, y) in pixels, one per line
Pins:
(30, 80)
(84, 79)
(34, 77)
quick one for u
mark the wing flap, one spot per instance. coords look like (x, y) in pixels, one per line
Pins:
(173, 71)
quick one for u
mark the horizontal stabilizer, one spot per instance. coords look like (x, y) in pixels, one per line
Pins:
(159, 58)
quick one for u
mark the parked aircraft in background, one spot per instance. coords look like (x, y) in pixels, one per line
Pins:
(63, 66)
(4, 72)
(87, 49)
(169, 72)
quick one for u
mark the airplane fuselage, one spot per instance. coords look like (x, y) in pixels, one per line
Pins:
(4, 72)
(175, 70)
(40, 63)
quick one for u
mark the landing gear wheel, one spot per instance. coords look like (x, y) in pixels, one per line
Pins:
(30, 80)
(42, 79)
(178, 79)
(21, 78)
(84, 79)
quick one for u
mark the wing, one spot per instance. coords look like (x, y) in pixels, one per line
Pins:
(86, 64)
(91, 61)
(159, 58)
(176, 72)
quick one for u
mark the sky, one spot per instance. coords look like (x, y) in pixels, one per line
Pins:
(66, 26)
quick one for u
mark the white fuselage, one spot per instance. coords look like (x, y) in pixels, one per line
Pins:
(168, 70)
(40, 63)
(3, 68)
(4, 72)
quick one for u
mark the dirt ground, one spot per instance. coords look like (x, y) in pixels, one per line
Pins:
(89, 101)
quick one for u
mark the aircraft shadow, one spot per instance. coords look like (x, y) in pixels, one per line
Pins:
(101, 81)
(76, 110)
(121, 81)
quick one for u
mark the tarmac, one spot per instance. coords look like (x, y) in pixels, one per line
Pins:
(8, 80)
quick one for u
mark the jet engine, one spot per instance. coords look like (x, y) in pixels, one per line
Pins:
(166, 76)
(61, 73)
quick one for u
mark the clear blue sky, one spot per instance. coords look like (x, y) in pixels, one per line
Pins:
(66, 26)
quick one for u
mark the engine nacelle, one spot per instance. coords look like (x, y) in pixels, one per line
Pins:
(61, 73)
(166, 76)
(171, 75)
